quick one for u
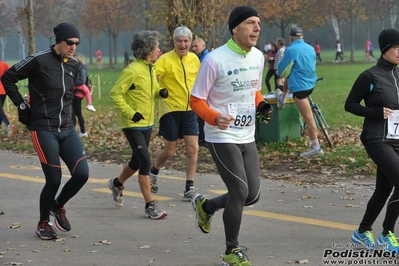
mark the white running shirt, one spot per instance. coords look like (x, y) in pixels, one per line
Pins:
(228, 82)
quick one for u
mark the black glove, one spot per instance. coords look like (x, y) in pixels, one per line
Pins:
(24, 114)
(164, 93)
(137, 117)
(264, 112)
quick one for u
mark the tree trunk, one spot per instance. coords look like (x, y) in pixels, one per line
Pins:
(115, 49)
(31, 27)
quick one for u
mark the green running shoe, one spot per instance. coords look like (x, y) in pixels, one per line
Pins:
(202, 219)
(237, 257)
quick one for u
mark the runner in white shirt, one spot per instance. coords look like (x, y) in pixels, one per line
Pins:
(226, 95)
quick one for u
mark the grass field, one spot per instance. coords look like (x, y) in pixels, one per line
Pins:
(330, 96)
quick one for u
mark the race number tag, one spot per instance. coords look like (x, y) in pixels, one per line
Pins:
(393, 125)
(244, 114)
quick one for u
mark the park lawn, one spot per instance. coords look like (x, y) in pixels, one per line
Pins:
(106, 136)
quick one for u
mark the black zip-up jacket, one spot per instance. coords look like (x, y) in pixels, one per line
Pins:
(378, 86)
(50, 82)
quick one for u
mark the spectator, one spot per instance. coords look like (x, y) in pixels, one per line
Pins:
(280, 53)
(198, 47)
(126, 57)
(339, 52)
(371, 51)
(298, 67)
(177, 71)
(3, 117)
(49, 120)
(80, 91)
(270, 57)
(318, 51)
(136, 107)
(231, 140)
(99, 58)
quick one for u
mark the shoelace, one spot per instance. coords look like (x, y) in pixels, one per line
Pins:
(392, 239)
(154, 180)
(369, 237)
(240, 253)
(120, 194)
(47, 227)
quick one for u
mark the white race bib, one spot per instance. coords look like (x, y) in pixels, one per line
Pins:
(393, 125)
(244, 114)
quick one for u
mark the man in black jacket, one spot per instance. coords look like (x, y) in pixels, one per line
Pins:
(51, 73)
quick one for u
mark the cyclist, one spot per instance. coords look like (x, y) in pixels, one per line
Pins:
(298, 67)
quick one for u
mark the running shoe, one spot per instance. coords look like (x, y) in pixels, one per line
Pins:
(45, 231)
(312, 152)
(83, 135)
(280, 103)
(154, 212)
(202, 219)
(237, 257)
(61, 222)
(388, 243)
(154, 182)
(11, 130)
(117, 195)
(91, 108)
(189, 194)
(366, 239)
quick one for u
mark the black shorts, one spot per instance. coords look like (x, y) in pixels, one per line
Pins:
(302, 94)
(175, 125)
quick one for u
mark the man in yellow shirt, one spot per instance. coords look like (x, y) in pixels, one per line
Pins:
(177, 71)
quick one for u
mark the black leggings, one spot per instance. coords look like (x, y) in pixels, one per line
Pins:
(50, 146)
(269, 75)
(238, 166)
(386, 157)
(77, 109)
(3, 116)
(139, 141)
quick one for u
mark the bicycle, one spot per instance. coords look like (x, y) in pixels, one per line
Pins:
(319, 119)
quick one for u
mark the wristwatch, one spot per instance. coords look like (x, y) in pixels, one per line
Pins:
(22, 106)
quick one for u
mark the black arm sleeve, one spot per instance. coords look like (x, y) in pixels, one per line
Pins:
(360, 90)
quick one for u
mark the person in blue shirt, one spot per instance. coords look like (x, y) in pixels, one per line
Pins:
(298, 67)
(198, 47)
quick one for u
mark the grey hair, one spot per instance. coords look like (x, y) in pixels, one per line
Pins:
(200, 40)
(182, 31)
(144, 42)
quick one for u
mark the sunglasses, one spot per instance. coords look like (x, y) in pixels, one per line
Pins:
(70, 43)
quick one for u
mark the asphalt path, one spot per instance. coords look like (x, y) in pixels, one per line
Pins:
(289, 225)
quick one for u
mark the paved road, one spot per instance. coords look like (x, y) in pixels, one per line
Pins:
(288, 224)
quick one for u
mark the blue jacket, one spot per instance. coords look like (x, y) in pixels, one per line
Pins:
(202, 55)
(298, 66)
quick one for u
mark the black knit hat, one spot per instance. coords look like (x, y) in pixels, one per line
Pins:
(387, 39)
(239, 14)
(65, 31)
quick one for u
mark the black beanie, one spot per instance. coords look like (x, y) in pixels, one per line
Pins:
(65, 31)
(387, 39)
(239, 14)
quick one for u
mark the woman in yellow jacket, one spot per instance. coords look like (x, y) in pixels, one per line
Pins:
(134, 96)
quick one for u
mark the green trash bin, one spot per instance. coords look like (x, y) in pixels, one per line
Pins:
(284, 124)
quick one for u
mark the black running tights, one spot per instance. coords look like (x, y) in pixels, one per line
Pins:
(386, 157)
(238, 166)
